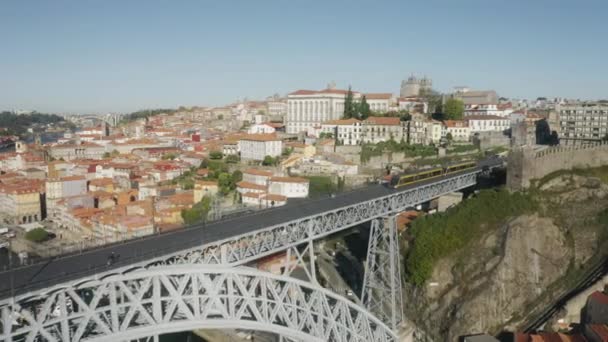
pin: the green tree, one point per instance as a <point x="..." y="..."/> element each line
<point x="37" y="235"/>
<point x="216" y="155"/>
<point x="325" y="135"/>
<point x="204" y="163"/>
<point x="233" y="159"/>
<point x="237" y="176"/>
<point x="198" y="212"/>
<point x="449" y="137"/>
<point x="287" y="151"/>
<point x="268" y="161"/>
<point x="224" y="181"/>
<point x="349" y="105"/>
<point x="220" y="117"/>
<point x="453" y="109"/>
<point x="364" y="111"/>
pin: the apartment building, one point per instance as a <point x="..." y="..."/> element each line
<point x="290" y="187"/>
<point x="487" y="123"/>
<point x="307" y="109"/>
<point x="347" y="131"/>
<point x="379" y="102"/>
<point x="258" y="146"/>
<point x="377" y="128"/>
<point x="458" y="129"/>
<point x="20" y="203"/>
<point x="583" y="122"/>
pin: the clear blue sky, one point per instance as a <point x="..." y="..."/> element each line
<point x="98" y="56"/>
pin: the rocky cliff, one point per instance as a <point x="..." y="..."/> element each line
<point x="515" y="268"/>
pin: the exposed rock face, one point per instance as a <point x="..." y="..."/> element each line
<point x="483" y="290"/>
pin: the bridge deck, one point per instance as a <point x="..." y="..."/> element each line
<point x="90" y="262"/>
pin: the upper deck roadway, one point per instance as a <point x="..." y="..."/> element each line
<point x="69" y="267"/>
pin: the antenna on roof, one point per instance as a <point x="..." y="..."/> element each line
<point x="331" y="85"/>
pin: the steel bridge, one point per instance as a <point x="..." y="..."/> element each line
<point x="178" y="281"/>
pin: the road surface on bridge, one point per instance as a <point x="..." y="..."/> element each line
<point x="79" y="265"/>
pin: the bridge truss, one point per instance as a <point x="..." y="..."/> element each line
<point x="151" y="302"/>
<point x="246" y="248"/>
<point x="177" y="292"/>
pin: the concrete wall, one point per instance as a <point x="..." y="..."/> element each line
<point x="525" y="164"/>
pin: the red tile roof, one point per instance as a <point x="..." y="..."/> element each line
<point x="383" y="120"/>
<point x="258" y="172"/>
<point x="249" y="185"/>
<point x="341" y="122"/>
<point x="599" y="297"/>
<point x="601" y="330"/>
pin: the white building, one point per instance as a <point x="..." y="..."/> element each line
<point x="262" y="200"/>
<point x="261" y="128"/>
<point x="379" y="102"/>
<point x="583" y="122"/>
<point x="379" y="128"/>
<point x="347" y="131"/>
<point x="433" y="130"/>
<point x="277" y="107"/>
<point x="488" y="109"/>
<point x="259" y="177"/>
<point x="310" y="108"/>
<point x="413" y="105"/>
<point x="487" y="123"/>
<point x="458" y="129"/>
<point x="57" y="188"/>
<point x="290" y="187"/>
<point x="258" y="146"/>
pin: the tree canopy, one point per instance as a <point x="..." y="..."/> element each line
<point x="349" y="105"/>
<point x="453" y="109"/>
<point x="16" y="124"/>
<point x="198" y="212"/>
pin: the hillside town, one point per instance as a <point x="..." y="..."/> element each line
<point x="113" y="181"/>
<point x="115" y="178"/>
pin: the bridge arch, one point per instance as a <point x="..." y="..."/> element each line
<point x="174" y="298"/>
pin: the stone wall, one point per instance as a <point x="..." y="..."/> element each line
<point x="525" y="164"/>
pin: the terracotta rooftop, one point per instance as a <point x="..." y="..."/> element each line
<point x="252" y="194"/>
<point x="249" y="185"/>
<point x="257" y="172"/>
<point x="455" y="123"/>
<point x="383" y="120"/>
<point x="101" y="181"/>
<point x="341" y="122"/>
<point x="599" y="297"/>
<point x="206" y="183"/>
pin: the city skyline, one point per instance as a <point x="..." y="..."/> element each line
<point x="115" y="57"/>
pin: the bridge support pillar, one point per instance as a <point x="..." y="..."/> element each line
<point x="382" y="291"/>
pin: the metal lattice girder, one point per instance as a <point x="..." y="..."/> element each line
<point x="381" y="293"/>
<point x="122" y="307"/>
<point x="243" y="249"/>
